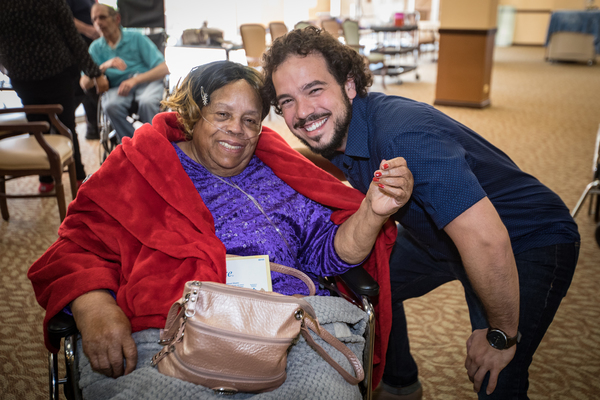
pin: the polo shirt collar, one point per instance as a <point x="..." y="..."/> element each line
<point x="118" y="41"/>
<point x="357" y="143"/>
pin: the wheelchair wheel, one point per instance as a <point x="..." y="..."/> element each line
<point x="108" y="136"/>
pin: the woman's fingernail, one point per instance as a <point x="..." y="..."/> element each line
<point x="386" y="166"/>
<point x="375" y="179"/>
<point x="378" y="174"/>
<point x="381" y="186"/>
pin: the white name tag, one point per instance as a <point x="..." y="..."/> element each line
<point x="251" y="272"/>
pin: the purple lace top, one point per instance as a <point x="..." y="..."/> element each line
<point x="245" y="231"/>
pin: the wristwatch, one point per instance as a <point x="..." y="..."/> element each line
<point x="500" y="340"/>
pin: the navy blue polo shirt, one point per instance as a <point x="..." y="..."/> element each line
<point x="453" y="168"/>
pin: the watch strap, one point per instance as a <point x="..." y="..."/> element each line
<point x="511" y="341"/>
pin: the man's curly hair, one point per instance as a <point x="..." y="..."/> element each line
<point x="343" y="62"/>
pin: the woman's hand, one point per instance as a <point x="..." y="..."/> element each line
<point x="391" y="187"/>
<point x="101" y="84"/>
<point x="105" y="333"/>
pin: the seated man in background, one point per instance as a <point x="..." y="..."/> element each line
<point x="134" y="67"/>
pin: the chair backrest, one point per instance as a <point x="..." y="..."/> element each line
<point x="277" y="29"/>
<point x="303" y="24"/>
<point x="142" y="14"/>
<point x="253" y="38"/>
<point x="351" y="33"/>
<point x="331" y="26"/>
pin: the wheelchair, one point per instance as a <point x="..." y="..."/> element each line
<point x="109" y="139"/>
<point x="592" y="190"/>
<point x="149" y="16"/>
<point x="62" y="328"/>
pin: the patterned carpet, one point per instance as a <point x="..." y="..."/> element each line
<point x="545" y="116"/>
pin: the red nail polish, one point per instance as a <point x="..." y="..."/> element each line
<point x="381" y="186"/>
<point x="375" y="179"/>
<point x="386" y="166"/>
<point x="378" y="174"/>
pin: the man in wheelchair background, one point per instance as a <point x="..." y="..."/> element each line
<point x="134" y="66"/>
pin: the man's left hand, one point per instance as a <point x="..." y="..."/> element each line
<point x="391" y="187"/>
<point x="483" y="358"/>
<point x="126" y="86"/>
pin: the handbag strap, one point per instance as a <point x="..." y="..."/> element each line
<point x="295" y="273"/>
<point x="309" y="323"/>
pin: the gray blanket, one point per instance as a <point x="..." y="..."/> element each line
<point x="308" y="375"/>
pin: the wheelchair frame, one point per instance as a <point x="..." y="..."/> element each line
<point x="593" y="191"/>
<point x="108" y="136"/>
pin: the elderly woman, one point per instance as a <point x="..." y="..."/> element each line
<point x="167" y="206"/>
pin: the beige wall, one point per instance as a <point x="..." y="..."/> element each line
<point x="533" y="17"/>
<point x="323" y="6"/>
<point x="468" y="14"/>
<point x="545" y="4"/>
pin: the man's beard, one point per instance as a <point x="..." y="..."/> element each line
<point x="340" y="130"/>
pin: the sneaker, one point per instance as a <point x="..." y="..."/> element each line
<point x="46" y="187"/>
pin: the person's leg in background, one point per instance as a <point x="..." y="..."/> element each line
<point x="148" y="97"/>
<point x="544" y="277"/>
<point x="89" y="99"/>
<point x="117" y="109"/>
<point x="413" y="273"/>
<point x="58" y="89"/>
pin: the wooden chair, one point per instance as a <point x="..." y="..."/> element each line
<point x="253" y="38"/>
<point x="277" y="29"/>
<point x="331" y="26"/>
<point x="36" y="154"/>
<point x="303" y="24"/>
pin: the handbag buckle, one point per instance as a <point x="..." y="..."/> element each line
<point x="224" y="391"/>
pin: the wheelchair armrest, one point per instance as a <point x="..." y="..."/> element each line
<point x="61" y="326"/>
<point x="360" y="282"/>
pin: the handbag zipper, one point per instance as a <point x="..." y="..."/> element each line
<point x="220" y="332"/>
<point x="254" y="294"/>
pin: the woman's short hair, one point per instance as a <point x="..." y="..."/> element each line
<point x="343" y="62"/>
<point x="205" y="80"/>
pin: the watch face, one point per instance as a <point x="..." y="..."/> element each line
<point x="497" y="339"/>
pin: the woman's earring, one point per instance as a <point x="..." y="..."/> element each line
<point x="204" y="96"/>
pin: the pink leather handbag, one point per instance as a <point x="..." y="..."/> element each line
<point x="233" y="339"/>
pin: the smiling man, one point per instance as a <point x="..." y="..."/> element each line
<point x="473" y="216"/>
<point x="134" y="66"/>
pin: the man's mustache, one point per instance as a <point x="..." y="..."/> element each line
<point x="312" y="117"/>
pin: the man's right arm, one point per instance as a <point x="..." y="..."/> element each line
<point x="101" y="83"/>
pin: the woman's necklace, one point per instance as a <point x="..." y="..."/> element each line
<point x="256" y="203"/>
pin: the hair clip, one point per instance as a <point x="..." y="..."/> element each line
<point x="204" y="96"/>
